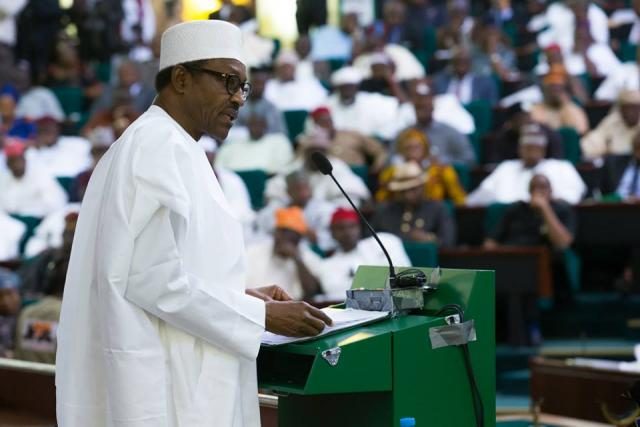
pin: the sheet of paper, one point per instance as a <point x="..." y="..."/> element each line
<point x="342" y="319"/>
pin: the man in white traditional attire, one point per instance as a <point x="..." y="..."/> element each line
<point x="157" y="329"/>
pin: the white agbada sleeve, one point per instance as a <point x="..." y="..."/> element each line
<point x="158" y="282"/>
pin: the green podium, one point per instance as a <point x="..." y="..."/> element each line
<point x="376" y="374"/>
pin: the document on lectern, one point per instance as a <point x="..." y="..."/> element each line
<point x="342" y="319"/>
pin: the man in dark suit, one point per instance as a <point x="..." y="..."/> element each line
<point x="465" y="85"/>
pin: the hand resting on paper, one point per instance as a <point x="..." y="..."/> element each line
<point x="295" y="319"/>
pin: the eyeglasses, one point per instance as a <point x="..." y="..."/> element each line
<point x="232" y="81"/>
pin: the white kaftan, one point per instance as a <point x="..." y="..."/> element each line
<point x="156" y="329"/>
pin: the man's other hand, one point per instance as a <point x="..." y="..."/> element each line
<point x="295" y="319"/>
<point x="269" y="293"/>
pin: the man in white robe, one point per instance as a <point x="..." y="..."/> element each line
<point x="156" y="328"/>
<point x="353" y="251"/>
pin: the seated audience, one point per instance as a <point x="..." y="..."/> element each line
<point x="491" y="54"/>
<point x="505" y="145"/>
<point x="10" y="124"/>
<point x="411" y="216"/>
<point x="288" y="93"/>
<point x="446" y="109"/>
<point x="35" y="273"/>
<point x="352" y="147"/>
<point x="467" y="86"/>
<point x="509" y="182"/>
<point x="382" y="79"/>
<point x="626" y="76"/>
<point x="12" y="232"/>
<point x="322" y="185"/>
<point x="37" y="325"/>
<point x="9" y="307"/>
<point x="270" y="152"/>
<point x="62" y="156"/>
<point x="128" y="84"/>
<point x="615" y="133"/>
<point x="101" y="139"/>
<point x="442" y="181"/>
<point x="557" y="110"/>
<point x="446" y="143"/>
<point x="27" y="190"/>
<point x="629" y="186"/>
<point x="541" y="221"/>
<point x="234" y="189"/>
<point x="257" y="104"/>
<point x="371" y="114"/>
<point x="285" y="258"/>
<point x="317" y="212"/>
<point x="353" y="251"/>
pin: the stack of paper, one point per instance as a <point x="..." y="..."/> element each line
<point x="342" y="319"/>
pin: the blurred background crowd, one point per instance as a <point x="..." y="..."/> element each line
<point x="470" y="133"/>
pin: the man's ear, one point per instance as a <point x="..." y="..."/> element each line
<point x="180" y="79"/>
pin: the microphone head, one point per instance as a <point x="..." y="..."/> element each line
<point x="322" y="163"/>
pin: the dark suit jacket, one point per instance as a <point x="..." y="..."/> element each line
<point x="612" y="171"/>
<point x="482" y="87"/>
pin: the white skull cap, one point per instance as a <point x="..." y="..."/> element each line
<point x="197" y="40"/>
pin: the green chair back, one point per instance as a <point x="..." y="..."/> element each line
<point x="362" y="172"/>
<point x="573" y="266"/>
<point x="464" y="175"/>
<point x="294" y="120"/>
<point x="31" y="223"/>
<point x="571" y="144"/>
<point x="628" y="52"/>
<point x="255" y="180"/>
<point x="422" y="254"/>
<point x="493" y="216"/>
<point x="67" y="184"/>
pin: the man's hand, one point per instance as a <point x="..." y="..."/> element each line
<point x="286" y="250"/>
<point x="295" y="319"/>
<point x="269" y="293"/>
<point x="539" y="201"/>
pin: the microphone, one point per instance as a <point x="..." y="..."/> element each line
<point x="326" y="168"/>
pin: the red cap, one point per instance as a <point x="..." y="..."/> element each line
<point x="553" y="47"/>
<point x="14" y="147"/>
<point x="319" y="111"/>
<point x="344" y="215"/>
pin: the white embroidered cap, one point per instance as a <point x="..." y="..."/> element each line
<point x="346" y="76"/>
<point x="197" y="40"/>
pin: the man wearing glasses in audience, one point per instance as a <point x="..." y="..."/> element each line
<point x="156" y="327"/>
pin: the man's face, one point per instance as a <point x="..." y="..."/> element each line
<point x="393" y="13"/>
<point x="258" y="82"/>
<point x="303" y="46"/>
<point x="7" y="106"/>
<point x="412" y="196"/>
<point x="346" y="233"/>
<point x="127" y="74"/>
<point x="349" y="23"/>
<point x="413" y="150"/>
<point x="210" y="105"/>
<point x="531" y="154"/>
<point x="630" y="114"/>
<point x="324" y="121"/>
<point x="300" y="193"/>
<point x="553" y="94"/>
<point x="17" y="165"/>
<point x="47" y="134"/>
<point x="257" y="127"/>
<point x="380" y="71"/>
<point x="286" y="72"/>
<point x="461" y="64"/>
<point x="347" y="93"/>
<point x="283" y="240"/>
<point x="9" y="302"/>
<point x="554" y="56"/>
<point x="540" y="185"/>
<point x="423" y="105"/>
